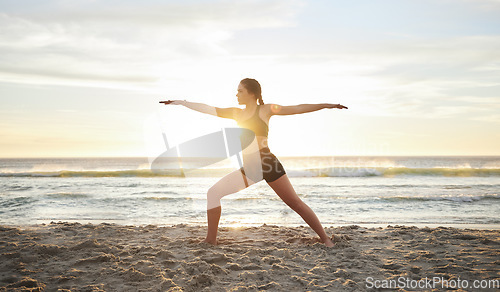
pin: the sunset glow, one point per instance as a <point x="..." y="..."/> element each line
<point x="83" y="78"/>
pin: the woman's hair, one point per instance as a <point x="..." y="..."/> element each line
<point x="253" y="86"/>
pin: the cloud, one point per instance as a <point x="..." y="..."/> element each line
<point x="145" y="43"/>
<point x="484" y="5"/>
<point x="235" y="14"/>
<point x="94" y="42"/>
<point x="423" y="77"/>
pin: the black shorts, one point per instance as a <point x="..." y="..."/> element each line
<point x="271" y="167"/>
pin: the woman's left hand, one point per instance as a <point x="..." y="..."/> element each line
<point x="339" y="106"/>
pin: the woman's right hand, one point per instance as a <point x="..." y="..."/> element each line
<point x="174" y="102"/>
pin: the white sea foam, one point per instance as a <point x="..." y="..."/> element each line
<point x="422" y="190"/>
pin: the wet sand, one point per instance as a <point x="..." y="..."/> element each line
<point x="109" y="257"/>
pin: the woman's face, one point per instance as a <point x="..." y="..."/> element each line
<point x="244" y="97"/>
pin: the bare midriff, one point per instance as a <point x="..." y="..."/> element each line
<point x="262" y="141"/>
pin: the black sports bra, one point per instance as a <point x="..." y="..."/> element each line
<point x="256" y="124"/>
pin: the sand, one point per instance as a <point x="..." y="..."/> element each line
<point x="107" y="257"/>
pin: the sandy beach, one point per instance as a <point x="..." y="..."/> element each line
<point x="107" y="257"/>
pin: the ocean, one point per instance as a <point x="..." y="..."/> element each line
<point x="372" y="191"/>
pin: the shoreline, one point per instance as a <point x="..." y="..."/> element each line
<point x="239" y="225"/>
<point x="111" y="257"/>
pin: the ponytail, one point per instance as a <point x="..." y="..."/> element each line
<point x="253" y="86"/>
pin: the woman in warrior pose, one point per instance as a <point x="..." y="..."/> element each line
<point x="258" y="161"/>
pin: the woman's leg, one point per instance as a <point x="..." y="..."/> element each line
<point x="285" y="191"/>
<point x="229" y="184"/>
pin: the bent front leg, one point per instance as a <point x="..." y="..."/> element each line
<point x="230" y="184"/>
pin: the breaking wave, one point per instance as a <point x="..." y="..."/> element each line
<point x="312" y="172"/>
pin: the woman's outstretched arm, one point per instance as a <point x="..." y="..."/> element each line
<point x="205" y="108"/>
<point x="302" y="108"/>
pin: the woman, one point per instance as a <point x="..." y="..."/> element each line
<point x="258" y="161"/>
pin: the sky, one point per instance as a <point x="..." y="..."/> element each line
<point x="83" y="78"/>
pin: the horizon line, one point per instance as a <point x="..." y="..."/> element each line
<point x="283" y="156"/>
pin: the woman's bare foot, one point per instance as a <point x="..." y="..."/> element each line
<point x="212" y="242"/>
<point x="329" y="243"/>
